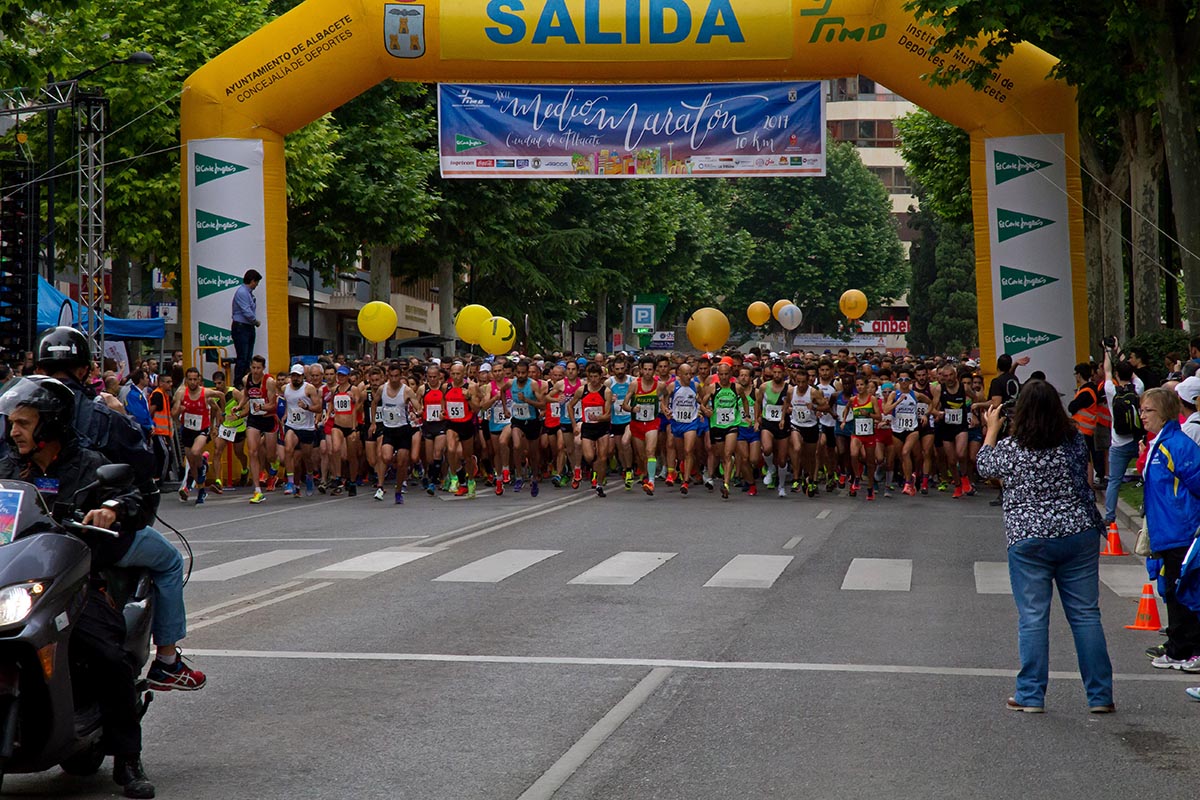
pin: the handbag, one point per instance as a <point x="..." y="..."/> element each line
<point x="1141" y="545"/>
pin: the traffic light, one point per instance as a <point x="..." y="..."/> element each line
<point x="18" y="274"/>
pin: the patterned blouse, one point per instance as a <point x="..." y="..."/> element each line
<point x="1046" y="493"/>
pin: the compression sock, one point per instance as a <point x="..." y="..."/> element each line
<point x="651" y="469"/>
<point x="435" y="471"/>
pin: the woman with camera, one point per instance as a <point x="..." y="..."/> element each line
<point x="1053" y="532"/>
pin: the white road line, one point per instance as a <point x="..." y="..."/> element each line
<point x="562" y="769"/>
<point x="991" y="577"/>
<point x="239" y="520"/>
<point x="237" y="612"/>
<point x="1170" y="676"/>
<point x="623" y="569"/>
<point x="365" y="566"/>
<point x="245" y="598"/>
<point x="244" y="566"/>
<point x="792" y="542"/>
<point x="749" y="572"/>
<point x="1125" y="580"/>
<point x="879" y="574"/>
<point x="503" y="522"/>
<point x="314" y="539"/>
<point x="497" y="567"/>
<point x="823" y="514"/>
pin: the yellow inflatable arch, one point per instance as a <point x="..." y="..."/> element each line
<point x="237" y="109"/>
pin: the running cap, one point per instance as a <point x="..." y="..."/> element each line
<point x="581" y="361"/>
<point x="343" y="370"/>
<point x="1188" y="389"/>
<point x="485" y="367"/>
<point x="437" y="361"/>
<point x="297" y="369"/>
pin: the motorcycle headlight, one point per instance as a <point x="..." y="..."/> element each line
<point x="17" y="601"/>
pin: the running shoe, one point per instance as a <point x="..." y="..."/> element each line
<point x="178" y="676"/>
<point x="461" y="491"/>
<point x="201" y="496"/>
<point x="967" y="488"/>
<point x="262" y="477"/>
<point x="272" y="482"/>
<point x="308" y="485"/>
<point x="218" y="487"/>
<point x="870" y="492"/>
<point x="909" y="489"/>
<point x="399" y="498"/>
<point x="924" y="484"/>
<point x="257" y="497"/>
<point x="576" y="478"/>
<point x="504" y="476"/>
<point x="782" y="490"/>
<point x="202" y="478"/>
<point x="813" y="491"/>
<point x="628" y="480"/>
<point x="830" y="485"/>
<point x="841" y="480"/>
<point x="352" y="489"/>
<point x="1193" y="692"/>
<point x="724" y="490"/>
<point x="379" y="493"/>
<point x="517" y="484"/>
<point x="337" y="488"/>
<point x="1166" y="662"/>
<point x="453" y="485"/>
<point x="322" y="487"/>
<point x="533" y="488"/>
<point x="854" y="488"/>
<point x="575" y="481"/>
<point x="753" y="490"/>
<point x="708" y="484"/>
<point x="599" y="491"/>
<point x="648" y="488"/>
<point x="769" y="480"/>
<point x="1157" y="650"/>
<point x="1191" y="665"/>
<point x="683" y="488"/>
<point x="289" y="488"/>
<point x="943" y="486"/>
<point x="670" y="478"/>
<point x="958" y="492"/>
<point x="499" y="488"/>
<point x="887" y="491"/>
<point x="557" y="480"/>
<point x="183" y="492"/>
<point x="471" y="488"/>
<point x="796" y="486"/>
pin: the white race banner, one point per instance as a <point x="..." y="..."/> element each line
<point x="226" y="237"/>
<point x="1030" y="241"/>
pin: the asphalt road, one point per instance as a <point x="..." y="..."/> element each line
<point x="516" y="648"/>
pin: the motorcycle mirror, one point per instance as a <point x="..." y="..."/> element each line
<point x="114" y="475"/>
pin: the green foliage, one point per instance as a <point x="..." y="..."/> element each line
<point x="938" y="157"/>
<point x="953" y="324"/>
<point x="815" y="238"/>
<point x="1158" y="344"/>
<point x="922" y="258"/>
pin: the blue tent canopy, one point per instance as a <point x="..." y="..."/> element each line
<point x="55" y="308"/>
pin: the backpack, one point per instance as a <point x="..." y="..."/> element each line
<point x="1126" y="421"/>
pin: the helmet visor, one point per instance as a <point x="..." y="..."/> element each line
<point x="22" y="391"/>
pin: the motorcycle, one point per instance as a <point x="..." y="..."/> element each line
<point x="48" y="716"/>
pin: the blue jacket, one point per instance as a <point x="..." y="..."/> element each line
<point x="138" y="408"/>
<point x="1172" y="489"/>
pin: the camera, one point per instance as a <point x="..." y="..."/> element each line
<point x="1108" y="342"/>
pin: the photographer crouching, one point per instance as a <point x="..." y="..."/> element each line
<point x="1053" y="532"/>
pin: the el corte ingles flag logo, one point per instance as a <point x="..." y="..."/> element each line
<point x="1018" y="339"/>
<point x="210" y="281"/>
<point x="211" y="169"/>
<point x="214" y="336"/>
<point x="210" y="225"/>
<point x="1011" y="224"/>
<point x="462" y="143"/>
<point x="1009" y="166"/>
<point x="1018" y="281"/>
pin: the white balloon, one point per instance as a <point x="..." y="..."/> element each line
<point x="790" y="316"/>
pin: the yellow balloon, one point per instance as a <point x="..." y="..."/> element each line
<point x="707" y="329"/>
<point x="497" y="335"/>
<point x="758" y="313"/>
<point x="469" y="321"/>
<point x="853" y="303"/>
<point x="779" y="304"/>
<point x="377" y="321"/>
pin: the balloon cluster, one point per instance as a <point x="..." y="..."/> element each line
<point x="786" y="312"/>
<point x="476" y="325"/>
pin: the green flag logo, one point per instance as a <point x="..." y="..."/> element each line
<point x="462" y="143"/>
<point x="214" y="336"/>
<point x="1018" y="281"/>
<point x="1009" y="166"/>
<point x="1018" y="339"/>
<point x="210" y="225"/>
<point x="211" y="169"/>
<point x="211" y="281"/>
<point x="1011" y="224"/>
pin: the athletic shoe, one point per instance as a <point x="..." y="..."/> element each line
<point x="648" y="488"/>
<point x="575" y="481"/>
<point x="183" y="492"/>
<point x="769" y="480"/>
<point x="262" y="477"/>
<point x="753" y="490"/>
<point x="577" y="477"/>
<point x="471" y="488"/>
<point x="499" y="488"/>
<point x="461" y="491"/>
<point x="782" y="490"/>
<point x="1166" y="662"/>
<point x="967" y="488"/>
<point x="533" y="488"/>
<point x="202" y="478"/>
<point x="200" y="496"/>
<point x="830" y="485"/>
<point x="289" y="488"/>
<point x="724" y="490"/>
<point x="628" y="480"/>
<point x="943" y="486"/>
<point x="593" y="480"/>
<point x="399" y="498"/>
<point x="958" y="492"/>
<point x="218" y="487"/>
<point x="854" y="488"/>
<point x="924" y="484"/>
<point x="813" y="491"/>
<point x="504" y="476"/>
<point x="870" y="493"/>
<point x="308" y="485"/>
<point x="1193" y="692"/>
<point x="272" y="482"/>
<point x="379" y="493"/>
<point x="557" y="480"/>
<point x="708" y="484"/>
<point x="887" y="491"/>
<point x="337" y="488"/>
<point x="670" y="478"/>
<point x="178" y="676"/>
<point x="1191" y="665"/>
<point x="517" y="484"/>
<point x="322" y="487"/>
<point x="1012" y="705"/>
<point x="352" y="489"/>
<point x="599" y="491"/>
<point x="683" y="488"/>
<point x="909" y="489"/>
<point x="257" y="497"/>
<point x="1157" y="650"/>
<point x="842" y="480"/>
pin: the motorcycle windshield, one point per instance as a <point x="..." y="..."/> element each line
<point x="22" y="511"/>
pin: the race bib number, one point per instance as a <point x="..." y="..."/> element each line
<point x="295" y="417"/>
<point x="906" y="421"/>
<point x="773" y="413"/>
<point x="726" y="417"/>
<point x="578" y="412"/>
<point x="555" y="411"/>
<point x="522" y="411"/>
<point x="342" y="404"/>
<point x="864" y="426"/>
<point x="433" y="413"/>
<point x="392" y="417"/>
<point x="922" y="409"/>
<point x="684" y="415"/>
<point x="455" y="410"/>
<point x="804" y="416"/>
<point x="954" y="416"/>
<point x="592" y="413"/>
<point x="841" y="413"/>
<point x="645" y="412"/>
<point x="227" y="433"/>
<point x="193" y="422"/>
<point x="257" y="406"/>
<point x="379" y="414"/>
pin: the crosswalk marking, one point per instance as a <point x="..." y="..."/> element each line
<point x="879" y="574"/>
<point x="497" y="567"/>
<point x="750" y="572"/>
<point x="244" y="566"/>
<point x="991" y="577"/>
<point x="1125" y="580"/>
<point x="365" y="566"/>
<point x="623" y="569"/>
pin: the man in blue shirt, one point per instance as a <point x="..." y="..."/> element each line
<point x="245" y="321"/>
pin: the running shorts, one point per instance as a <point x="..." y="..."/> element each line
<point x="884" y="436"/>
<point x="398" y="438"/>
<point x="810" y="434"/>
<point x="432" y="430"/>
<point x="975" y="434"/>
<point x="948" y="433"/>
<point x="678" y="429"/>
<point x="304" y="436"/>
<point x="640" y="429"/>
<point x="187" y="437"/>
<point x="746" y="433"/>
<point x="717" y="435"/>
<point x="594" y="431"/>
<point x="532" y="428"/>
<point x="829" y="433"/>
<point x="465" y="429"/>
<point x="777" y="429"/>
<point x="261" y="422"/>
<point x="617" y="429"/>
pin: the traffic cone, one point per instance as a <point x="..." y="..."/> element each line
<point x="1147" y="611"/>
<point x="1112" y="546"/>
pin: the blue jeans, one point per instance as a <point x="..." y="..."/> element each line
<point x="1073" y="564"/>
<point x="242" y="334"/>
<point x="153" y="552"/>
<point x="1118" y="460"/>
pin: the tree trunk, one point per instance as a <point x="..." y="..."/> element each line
<point x="602" y="321"/>
<point x="446" y="304"/>
<point x="380" y="261"/>
<point x="1103" y="242"/>
<point x="1145" y="175"/>
<point x="119" y="301"/>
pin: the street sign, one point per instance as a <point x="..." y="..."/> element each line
<point x="663" y="340"/>
<point x="644" y="315"/>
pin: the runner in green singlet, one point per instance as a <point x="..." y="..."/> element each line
<point x="724" y="407"/>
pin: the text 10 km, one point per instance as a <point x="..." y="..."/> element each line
<point x="666" y="22"/>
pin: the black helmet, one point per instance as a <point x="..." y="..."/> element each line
<point x="63" y="348"/>
<point x="51" y="398"/>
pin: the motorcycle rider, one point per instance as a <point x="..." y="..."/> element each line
<point x="45" y="451"/>
<point x="64" y="353"/>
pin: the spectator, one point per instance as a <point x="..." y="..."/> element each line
<point x="136" y="402"/>
<point x="1086" y="410"/>
<point x="1173" y="365"/>
<point x="1172" y="503"/>
<point x="1053" y="534"/>
<point x="1146" y="374"/>
<point x="176" y="372"/>
<point x="1124" y="447"/>
<point x="245" y="321"/>
<point x="1188" y="390"/>
<point x="1194" y="350"/>
<point x="162" y="427"/>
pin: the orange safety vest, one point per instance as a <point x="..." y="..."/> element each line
<point x="162" y="419"/>
<point x="1103" y="413"/>
<point x="1085" y="419"/>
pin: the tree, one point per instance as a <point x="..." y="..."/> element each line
<point x="922" y="258"/>
<point x="955" y="325"/>
<point x="938" y="157"/>
<point x="817" y="237"/>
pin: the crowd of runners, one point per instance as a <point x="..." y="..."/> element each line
<point x="793" y="423"/>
